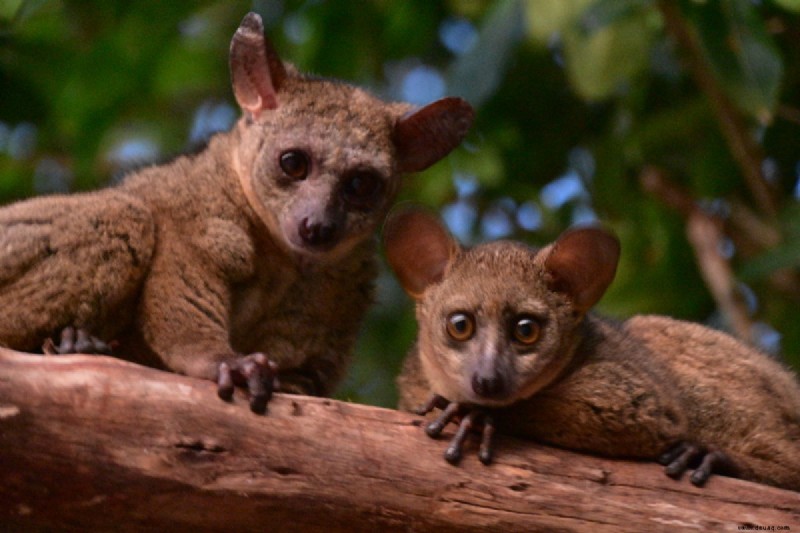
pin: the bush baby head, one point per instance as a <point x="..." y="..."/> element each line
<point x="497" y="322"/>
<point x="320" y="160"/>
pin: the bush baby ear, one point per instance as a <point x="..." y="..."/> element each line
<point x="582" y="263"/>
<point x="418" y="248"/>
<point x="256" y="70"/>
<point x="424" y="136"/>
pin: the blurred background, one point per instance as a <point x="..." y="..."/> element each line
<point x="676" y="123"/>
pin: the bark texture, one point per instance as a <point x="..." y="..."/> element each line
<point x="95" y="443"/>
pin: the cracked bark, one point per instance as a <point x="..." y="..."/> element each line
<point x="94" y="443"/>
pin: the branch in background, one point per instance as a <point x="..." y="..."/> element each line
<point x="94" y="443"/>
<point x="705" y="234"/>
<point x="753" y="236"/>
<point x="750" y="233"/>
<point x="788" y="113"/>
<point x="745" y="150"/>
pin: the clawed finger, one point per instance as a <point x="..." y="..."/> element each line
<point x="682" y="456"/>
<point x="671" y="454"/>
<point x="434" y="429"/>
<point x="224" y="382"/>
<point x="679" y="464"/>
<point x="715" y="461"/>
<point x="453" y="453"/>
<point x="486" y="451"/>
<point x="472" y="418"/>
<point x="434" y="402"/>
<point x="76" y="340"/>
<point x="255" y="372"/>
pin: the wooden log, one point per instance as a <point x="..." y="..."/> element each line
<point x="91" y="443"/>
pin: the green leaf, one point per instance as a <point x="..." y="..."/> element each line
<point x="598" y="63"/>
<point x="546" y="17"/>
<point x="8" y="9"/>
<point x="784" y="256"/>
<point x="791" y="5"/>
<point x="741" y="52"/>
<point x="604" y="13"/>
<point x="182" y="70"/>
<point x="605" y="42"/>
<point x="476" y="74"/>
<point x="485" y="163"/>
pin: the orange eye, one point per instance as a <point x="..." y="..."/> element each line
<point x="295" y="164"/>
<point x="526" y="330"/>
<point x="460" y="326"/>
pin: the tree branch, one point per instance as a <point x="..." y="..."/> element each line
<point x="705" y="234"/>
<point x="95" y="443"/>
<point x="752" y="230"/>
<point x="745" y="150"/>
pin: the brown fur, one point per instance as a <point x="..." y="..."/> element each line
<point x="193" y="263"/>
<point x="629" y="389"/>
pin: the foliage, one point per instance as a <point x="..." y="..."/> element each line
<point x="574" y="99"/>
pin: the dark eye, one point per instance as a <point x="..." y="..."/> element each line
<point x="295" y="164"/>
<point x="460" y="326"/>
<point x="526" y="330"/>
<point x="362" y="189"/>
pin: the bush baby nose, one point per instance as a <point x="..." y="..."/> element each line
<point x="488" y="386"/>
<point x="316" y="234"/>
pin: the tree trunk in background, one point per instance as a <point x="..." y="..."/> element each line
<point x="93" y="443"/>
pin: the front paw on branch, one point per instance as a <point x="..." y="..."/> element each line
<point x="77" y="340"/>
<point x="469" y="418"/>
<point x="705" y="461"/>
<point x="255" y="372"/>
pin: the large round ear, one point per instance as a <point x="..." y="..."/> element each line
<point x="418" y="248"/>
<point x="424" y="136"/>
<point x="582" y="263"/>
<point x="256" y="70"/>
